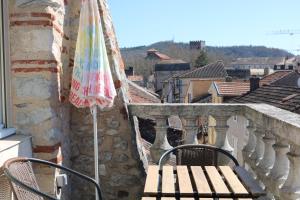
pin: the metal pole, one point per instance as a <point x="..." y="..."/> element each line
<point x="96" y="152"/>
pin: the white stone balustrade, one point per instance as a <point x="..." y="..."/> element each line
<point x="190" y="127"/>
<point x="279" y="172"/>
<point x="161" y="144"/>
<point x="272" y="150"/>
<point x="250" y="146"/>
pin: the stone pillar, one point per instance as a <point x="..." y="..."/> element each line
<point x="267" y="162"/>
<point x="291" y="188"/>
<point x="258" y="153"/>
<point x="279" y="172"/>
<point x="161" y="144"/>
<point x="39" y="46"/>
<point x="191" y="128"/>
<point x="221" y="129"/>
<point x="250" y="147"/>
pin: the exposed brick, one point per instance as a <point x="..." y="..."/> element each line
<point x="35" y="62"/>
<point x="40" y="14"/>
<point x="46" y="149"/>
<point x="33" y="14"/>
<point x="37" y="69"/>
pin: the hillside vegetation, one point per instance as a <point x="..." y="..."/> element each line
<point x="135" y="56"/>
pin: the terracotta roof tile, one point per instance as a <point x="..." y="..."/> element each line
<point x="232" y="88"/>
<point x="138" y="94"/>
<point x="135" y="78"/>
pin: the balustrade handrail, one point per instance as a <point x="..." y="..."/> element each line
<point x="272" y="151"/>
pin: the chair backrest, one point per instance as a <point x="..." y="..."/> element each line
<point x="198" y="155"/>
<point x="5" y="189"/>
<point x="20" y="170"/>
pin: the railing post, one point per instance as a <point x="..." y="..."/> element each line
<point x="291" y="188"/>
<point x="191" y="128"/>
<point x="221" y="129"/>
<point x="161" y="144"/>
<point x="250" y="147"/>
<point x="279" y="172"/>
<point x="267" y="162"/>
<point x="258" y="153"/>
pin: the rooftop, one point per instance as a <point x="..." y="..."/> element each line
<point x="258" y="61"/>
<point x="213" y="70"/>
<point x="138" y="94"/>
<point x="292" y="80"/>
<point x="287" y="98"/>
<point x="135" y="78"/>
<point x="268" y="79"/>
<point x="232" y="88"/>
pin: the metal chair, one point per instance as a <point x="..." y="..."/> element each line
<point x="23" y="181"/>
<point x="197" y="155"/>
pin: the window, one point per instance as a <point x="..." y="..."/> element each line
<point x="4" y="75"/>
<point x="291" y="67"/>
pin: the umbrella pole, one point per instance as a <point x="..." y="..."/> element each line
<point x="96" y="152"/>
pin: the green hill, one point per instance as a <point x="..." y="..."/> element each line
<point x="134" y="56"/>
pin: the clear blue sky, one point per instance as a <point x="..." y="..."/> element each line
<point x="218" y="22"/>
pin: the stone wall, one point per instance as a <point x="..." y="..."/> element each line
<point x="39" y="78"/>
<point x="121" y="173"/>
<point x="43" y="37"/>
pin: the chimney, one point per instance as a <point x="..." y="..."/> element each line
<point x="254" y="83"/>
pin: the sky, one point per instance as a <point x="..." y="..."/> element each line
<point x="218" y="22"/>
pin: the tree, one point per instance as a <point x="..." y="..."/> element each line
<point x="202" y="59"/>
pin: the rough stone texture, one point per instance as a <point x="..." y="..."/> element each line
<point x="40" y="80"/>
<point x="43" y="39"/>
<point x="121" y="174"/>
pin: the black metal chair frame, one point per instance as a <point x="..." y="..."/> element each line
<point x="46" y="196"/>
<point x="195" y="146"/>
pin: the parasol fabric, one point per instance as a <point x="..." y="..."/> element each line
<point x="92" y="82"/>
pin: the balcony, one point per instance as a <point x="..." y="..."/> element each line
<point x="266" y="139"/>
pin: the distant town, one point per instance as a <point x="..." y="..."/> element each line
<point x="195" y="73"/>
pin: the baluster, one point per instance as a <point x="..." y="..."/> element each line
<point x="191" y="128"/>
<point x="291" y="188"/>
<point x="221" y="129"/>
<point x="279" y="172"/>
<point x="258" y="153"/>
<point x="161" y="144"/>
<point x="267" y="162"/>
<point x="250" y="147"/>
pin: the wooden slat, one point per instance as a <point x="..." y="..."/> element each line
<point x="200" y="180"/>
<point x="152" y="180"/>
<point x="217" y="181"/>
<point x="206" y="199"/>
<point x="168" y="181"/>
<point x="235" y="184"/>
<point x="187" y="198"/>
<point x="185" y="185"/>
<point x="249" y="182"/>
<point x="168" y="198"/>
<point x="149" y="198"/>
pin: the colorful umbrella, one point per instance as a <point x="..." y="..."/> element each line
<point x="92" y="84"/>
